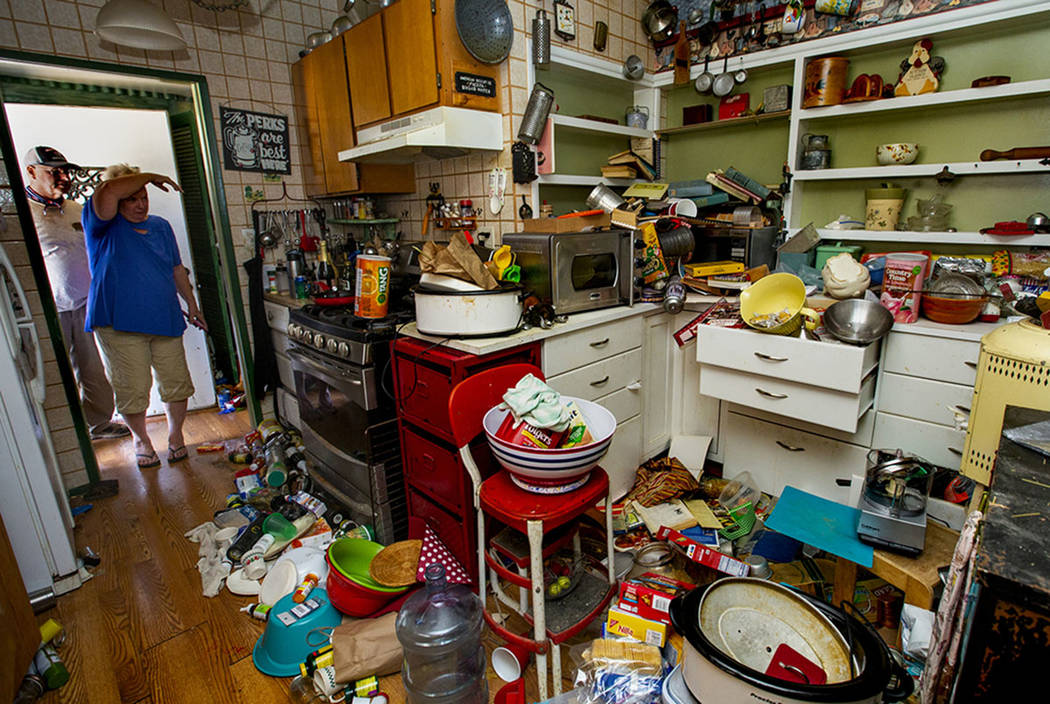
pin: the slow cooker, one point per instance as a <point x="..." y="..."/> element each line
<point x="712" y="674"/>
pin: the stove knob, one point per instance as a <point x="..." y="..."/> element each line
<point x="319" y="341"/>
<point x="305" y="336"/>
<point x="332" y="346"/>
<point x="344" y="349"/>
<point x="293" y="330"/>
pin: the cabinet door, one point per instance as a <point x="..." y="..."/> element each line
<point x="656" y="383"/>
<point x="304" y="87"/>
<point x="411" y="58"/>
<point x="624" y="456"/>
<point x="366" y="61"/>
<point x="333" y="109"/>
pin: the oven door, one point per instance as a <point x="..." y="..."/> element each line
<point x="337" y="402"/>
<point x="591" y="271"/>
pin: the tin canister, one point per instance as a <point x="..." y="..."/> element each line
<point x="372" y="289"/>
<point x="825" y="81"/>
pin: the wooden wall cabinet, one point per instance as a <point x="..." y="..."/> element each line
<point x="325" y="121"/>
<point x="406" y="58"/>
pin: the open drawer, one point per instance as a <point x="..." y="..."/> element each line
<point x="827" y="365"/>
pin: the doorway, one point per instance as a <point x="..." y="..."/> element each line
<point x="161" y="121"/>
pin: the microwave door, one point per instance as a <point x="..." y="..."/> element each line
<point x="588" y="273"/>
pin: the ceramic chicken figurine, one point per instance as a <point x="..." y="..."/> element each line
<point x="920" y="72"/>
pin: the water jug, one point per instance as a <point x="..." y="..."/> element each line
<point x="439" y="628"/>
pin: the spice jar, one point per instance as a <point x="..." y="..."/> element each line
<point x="655" y="558"/>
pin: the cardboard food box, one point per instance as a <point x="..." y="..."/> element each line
<point x="628" y="625"/>
<point x="576" y="223"/>
<point x="704" y="555"/>
<point x="701" y="269"/>
<point x="650" y="596"/>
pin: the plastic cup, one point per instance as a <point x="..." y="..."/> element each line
<point x="510" y="661"/>
<point x="279" y="527"/>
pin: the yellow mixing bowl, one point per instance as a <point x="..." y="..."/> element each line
<point x="772" y="294"/>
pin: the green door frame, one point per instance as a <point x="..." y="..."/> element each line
<point x="196" y="88"/>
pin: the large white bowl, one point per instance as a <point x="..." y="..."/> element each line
<point x="556" y="466"/>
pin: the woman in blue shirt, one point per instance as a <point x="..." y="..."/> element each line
<point x="137" y="277"/>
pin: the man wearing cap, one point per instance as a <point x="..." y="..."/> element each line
<point x="65" y="255"/>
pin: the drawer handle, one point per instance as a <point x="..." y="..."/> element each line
<point x="971" y="365"/>
<point x="770" y="394"/>
<point x="635" y="386"/>
<point x="600" y="343"/>
<point x="604" y="380"/>
<point x="844" y="482"/>
<point x="428" y="461"/>
<point x="963" y="409"/>
<point x="955" y="451"/>
<point x="770" y="358"/>
<point x="790" y="448"/>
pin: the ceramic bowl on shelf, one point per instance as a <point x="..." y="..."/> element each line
<point x="896" y="154"/>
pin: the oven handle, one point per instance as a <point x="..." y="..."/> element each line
<point x="303" y="362"/>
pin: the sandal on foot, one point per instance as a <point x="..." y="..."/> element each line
<point x="177" y="454"/>
<point x="146" y="460"/>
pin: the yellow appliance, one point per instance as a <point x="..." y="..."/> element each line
<point x="1014" y="370"/>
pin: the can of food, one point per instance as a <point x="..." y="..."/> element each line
<point x="372" y="289"/>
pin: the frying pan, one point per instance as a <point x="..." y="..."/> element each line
<point x="704" y="80"/>
<point x="485" y="28"/>
<point x="724" y="82"/>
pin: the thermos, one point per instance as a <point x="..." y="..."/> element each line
<point x="541" y="40"/>
<point x="535" y="119"/>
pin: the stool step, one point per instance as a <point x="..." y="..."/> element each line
<point x="515" y="546"/>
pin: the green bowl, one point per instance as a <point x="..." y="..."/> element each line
<point x="352" y="556"/>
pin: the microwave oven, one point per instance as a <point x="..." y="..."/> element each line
<point x="751" y="247"/>
<point x="576" y="271"/>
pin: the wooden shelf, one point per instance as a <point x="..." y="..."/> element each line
<point x="377" y="221"/>
<point x="949" y="97"/>
<point x="966" y="238"/>
<point x="719" y="124"/>
<point x="924" y="170"/>
<point x="584" y="125"/>
<point x="571" y="180"/>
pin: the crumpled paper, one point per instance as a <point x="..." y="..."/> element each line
<point x="534" y="402"/>
<point x="457" y="259"/>
<point x="212" y="565"/>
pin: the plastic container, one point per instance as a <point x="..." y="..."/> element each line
<point x="439" y="628"/>
<point x="827" y="251"/>
<point x="353" y="599"/>
<point x="901" y="285"/>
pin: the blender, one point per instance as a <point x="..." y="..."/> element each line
<point x="893" y="502"/>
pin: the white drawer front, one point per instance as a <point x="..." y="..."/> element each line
<point x="834" y="409"/>
<point x="284" y="371"/>
<point x="624" y="404"/>
<point x="289" y="407"/>
<point x="861" y="436"/>
<point x="824" y="364"/>
<point x="937" y="358"/>
<point x="276" y="315"/>
<point x="935" y="443"/>
<point x="600" y="378"/>
<point x="778" y="456"/>
<point x="575" y="349"/>
<point x="280" y="341"/>
<point x="923" y="399"/>
<point x="624" y="456"/>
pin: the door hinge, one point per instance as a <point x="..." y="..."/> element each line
<point x="433" y="7"/>
<point x="439" y="80"/>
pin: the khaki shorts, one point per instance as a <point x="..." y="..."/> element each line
<point x="129" y="356"/>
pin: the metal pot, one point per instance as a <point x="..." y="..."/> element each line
<point x="659" y="20"/>
<point x="724" y="82"/>
<point x="468" y="313"/>
<point x="604" y="198"/>
<point x="705" y="79"/>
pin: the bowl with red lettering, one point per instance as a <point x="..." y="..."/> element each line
<point x="555" y="466"/>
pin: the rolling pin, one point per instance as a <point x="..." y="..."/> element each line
<point x="1016" y="153"/>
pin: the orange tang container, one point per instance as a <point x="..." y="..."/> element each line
<point x="372" y="289"/>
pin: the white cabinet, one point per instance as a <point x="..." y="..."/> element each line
<point x="576" y="349"/>
<point x="277" y="319"/>
<point x="657" y="378"/>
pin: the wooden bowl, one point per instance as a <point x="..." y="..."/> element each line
<point x="955" y="310"/>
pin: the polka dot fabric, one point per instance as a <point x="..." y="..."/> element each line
<point x="435" y="551"/>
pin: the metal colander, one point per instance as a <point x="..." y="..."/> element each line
<point x="486" y="29"/>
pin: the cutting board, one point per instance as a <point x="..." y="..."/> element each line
<point x="821" y="523"/>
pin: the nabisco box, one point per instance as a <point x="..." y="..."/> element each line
<point x="650" y="595"/>
<point x="703" y="554"/>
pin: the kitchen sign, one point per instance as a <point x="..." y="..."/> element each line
<point x="473" y="84"/>
<point x="255" y="141"/>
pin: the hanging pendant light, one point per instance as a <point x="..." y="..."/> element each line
<point x="139" y="24"/>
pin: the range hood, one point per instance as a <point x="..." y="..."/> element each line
<point x="440" y="133"/>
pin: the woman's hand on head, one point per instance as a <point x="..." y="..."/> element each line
<point x="162" y="182"/>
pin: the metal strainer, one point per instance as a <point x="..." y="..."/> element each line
<point x="486" y="29"/>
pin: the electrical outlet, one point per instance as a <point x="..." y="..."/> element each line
<point x="248" y="235"/>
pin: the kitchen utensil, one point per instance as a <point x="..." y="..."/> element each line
<point x="681" y="57"/>
<point x="601" y="35"/>
<point x="897" y="153"/>
<point x="857" y="321"/>
<point x="534" y="121"/>
<point x="340" y="24"/>
<point x="351" y="557"/>
<point x="485" y="28"/>
<point x="395" y="565"/>
<point x="708" y="30"/>
<point x="633" y="67"/>
<point x="986" y="81"/>
<point x="825" y="81"/>
<point x="637" y="116"/>
<point x="658" y="21"/>
<point x="604" y="198"/>
<point x="353" y="599"/>
<point x="723" y="82"/>
<point x="524" y="210"/>
<point x="953" y="284"/>
<point x="892" y="503"/>
<point x="773" y="294"/>
<point x="741" y="73"/>
<point x="704" y="80"/>
<point x="285" y="644"/>
<point x="468" y="313"/>
<point x="316" y="39"/>
<point x="541" y="39"/>
<point x="952" y="309"/>
<point x="1038" y="222"/>
<point x="1016" y="153"/>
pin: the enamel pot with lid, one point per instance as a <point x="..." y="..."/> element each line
<point x="468" y="313"/>
<point x="738" y="629"/>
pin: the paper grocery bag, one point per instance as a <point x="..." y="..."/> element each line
<point x="365" y="647"/>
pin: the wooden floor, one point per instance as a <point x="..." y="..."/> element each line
<point x="140" y="631"/>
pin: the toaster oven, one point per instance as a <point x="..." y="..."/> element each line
<point x="576" y="271"/>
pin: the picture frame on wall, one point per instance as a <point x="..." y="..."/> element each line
<point x="564" y="20"/>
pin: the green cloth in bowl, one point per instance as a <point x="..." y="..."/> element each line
<point x="352" y="556"/>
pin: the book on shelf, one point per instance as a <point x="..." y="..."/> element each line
<point x="713" y="199"/>
<point x="734" y="189"/>
<point x="747" y="182"/>
<point x="619" y="171"/>
<point x="629" y="158"/>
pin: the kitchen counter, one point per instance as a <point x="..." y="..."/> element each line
<point x="576" y="321"/>
<point x="285" y="300"/>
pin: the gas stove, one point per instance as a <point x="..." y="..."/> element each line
<point x="336" y="331"/>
